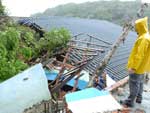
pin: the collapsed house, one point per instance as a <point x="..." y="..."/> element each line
<point x="90" y="43"/>
<point x="100" y="30"/>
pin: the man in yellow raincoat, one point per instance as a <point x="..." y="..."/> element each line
<point x="138" y="62"/>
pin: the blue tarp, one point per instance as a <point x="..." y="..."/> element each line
<point x="85" y="94"/>
<point x="82" y="82"/>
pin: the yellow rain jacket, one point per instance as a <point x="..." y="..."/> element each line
<point x="139" y="58"/>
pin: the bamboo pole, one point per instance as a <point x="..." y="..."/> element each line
<point x="126" y="28"/>
<point x="99" y="39"/>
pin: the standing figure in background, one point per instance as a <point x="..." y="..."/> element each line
<point x="138" y="62"/>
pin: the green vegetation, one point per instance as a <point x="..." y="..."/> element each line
<point x="20" y="46"/>
<point x="1" y="8"/>
<point x="114" y="11"/>
<point x="54" y="41"/>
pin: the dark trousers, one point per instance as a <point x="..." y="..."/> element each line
<point x="135" y="86"/>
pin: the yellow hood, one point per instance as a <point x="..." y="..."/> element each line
<point x="141" y="26"/>
<point x="139" y="58"/>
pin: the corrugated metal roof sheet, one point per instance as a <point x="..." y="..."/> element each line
<point x="99" y="28"/>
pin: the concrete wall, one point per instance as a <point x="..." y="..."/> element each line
<point x="39" y="108"/>
<point x="24" y="90"/>
<point x="47" y="107"/>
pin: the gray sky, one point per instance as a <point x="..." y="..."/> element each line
<point x="28" y="7"/>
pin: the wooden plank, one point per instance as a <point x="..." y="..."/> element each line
<point x="89" y="43"/>
<point x="88" y="49"/>
<point x="117" y="84"/>
<point x="99" y="39"/>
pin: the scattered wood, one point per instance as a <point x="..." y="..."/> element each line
<point x="63" y="65"/>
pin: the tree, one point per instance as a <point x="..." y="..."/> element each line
<point x="53" y="41"/>
<point x="19" y="45"/>
<point x="1" y="8"/>
<point x="114" y="11"/>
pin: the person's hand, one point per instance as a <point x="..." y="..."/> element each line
<point x="131" y="71"/>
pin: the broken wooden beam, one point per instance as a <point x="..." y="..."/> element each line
<point x="99" y="39"/>
<point x="84" y="54"/>
<point x="67" y="76"/>
<point x="78" y="35"/>
<point x="117" y="84"/>
<point x="88" y="49"/>
<point x="63" y="66"/>
<point x="89" y="43"/>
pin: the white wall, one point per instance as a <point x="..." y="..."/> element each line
<point x="24" y="90"/>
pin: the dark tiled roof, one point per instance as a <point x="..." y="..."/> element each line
<point x="101" y="29"/>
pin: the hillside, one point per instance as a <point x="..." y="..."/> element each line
<point x="114" y="11"/>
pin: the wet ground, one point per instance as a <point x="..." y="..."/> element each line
<point x="145" y="106"/>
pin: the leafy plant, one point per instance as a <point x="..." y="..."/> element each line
<point x="18" y="45"/>
<point x="26" y="53"/>
<point x="54" y="40"/>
